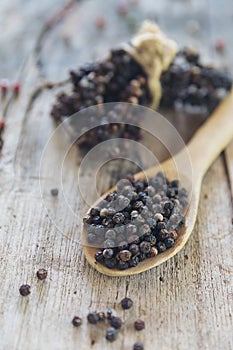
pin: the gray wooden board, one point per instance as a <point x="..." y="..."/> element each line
<point x="187" y="302"/>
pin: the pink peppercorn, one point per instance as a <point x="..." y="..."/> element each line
<point x="4" y="87"/>
<point x="122" y="9"/>
<point x="100" y="22"/>
<point x="219" y="45"/>
<point x="16" y="88"/>
<point x="2" y="124"/>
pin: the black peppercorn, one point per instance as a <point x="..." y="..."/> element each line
<point x="103" y="212"/>
<point x="131" y="229"/>
<point x="111" y="212"/>
<point x="109" y="243"/>
<point x="77" y="321"/>
<point x="157" y="198"/>
<point x="25" y="290"/>
<point x="102" y="316"/>
<point x="123" y="265"/>
<point x="110" y="263"/>
<point x="116" y="322"/>
<point x="145" y="247"/>
<point x="123" y="202"/>
<point x="153" y="252"/>
<point x="94" y="211"/>
<point x="108" y="253"/>
<point x="110" y="234"/>
<point x="173" y="234"/>
<point x="144" y="229"/>
<point x="168" y="205"/>
<point x="142" y="256"/>
<point x="134" y="215"/>
<point x="134" y="249"/>
<point x="123" y="245"/>
<point x="138" y="346"/>
<point x="91" y="238"/>
<point x="139" y="325"/>
<point x="138" y="205"/>
<point x="161" y="225"/>
<point x="118" y="218"/>
<point x="99" y="256"/>
<point x="175" y="183"/>
<point x="151" y="239"/>
<point x="110" y="313"/>
<point x="54" y="192"/>
<point x="158" y="217"/>
<point x="134" y="261"/>
<point x="42" y="274"/>
<point x="125" y="255"/>
<point x="111" y="334"/>
<point x="126" y="303"/>
<point x="134" y="239"/>
<point x="169" y="242"/>
<point x="161" y="247"/>
<point x="93" y="317"/>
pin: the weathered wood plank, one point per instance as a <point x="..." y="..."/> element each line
<point x="186" y="303"/>
<point x="196" y="284"/>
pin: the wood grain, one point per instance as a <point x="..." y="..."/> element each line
<point x="187" y="302"/>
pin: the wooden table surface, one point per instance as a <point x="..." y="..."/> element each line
<point x="187" y="302"/>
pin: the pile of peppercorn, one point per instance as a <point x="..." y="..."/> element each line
<point x="137" y="221"/>
<point x="187" y="84"/>
<point x="192" y="86"/>
<point x="118" y="78"/>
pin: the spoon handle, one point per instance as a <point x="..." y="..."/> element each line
<point x="213" y="137"/>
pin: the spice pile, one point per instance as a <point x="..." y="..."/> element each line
<point x="186" y="84"/>
<point x="119" y="78"/>
<point x="115" y="322"/>
<point x="191" y="86"/>
<point x="137" y="221"/>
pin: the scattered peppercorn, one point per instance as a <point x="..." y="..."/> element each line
<point x="42" y="274"/>
<point x="111" y="334"/>
<point x="93" y="317"/>
<point x="138" y="346"/>
<point x="25" y="290"/>
<point x="126" y="303"/>
<point x="116" y="322"/>
<point x="54" y="192"/>
<point x="77" y="321"/>
<point x="139" y="325"/>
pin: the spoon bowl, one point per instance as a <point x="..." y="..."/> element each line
<point x="208" y="142"/>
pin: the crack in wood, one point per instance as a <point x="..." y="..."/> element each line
<point x="56" y="19"/>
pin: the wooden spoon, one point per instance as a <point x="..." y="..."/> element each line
<point x="208" y="142"/>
